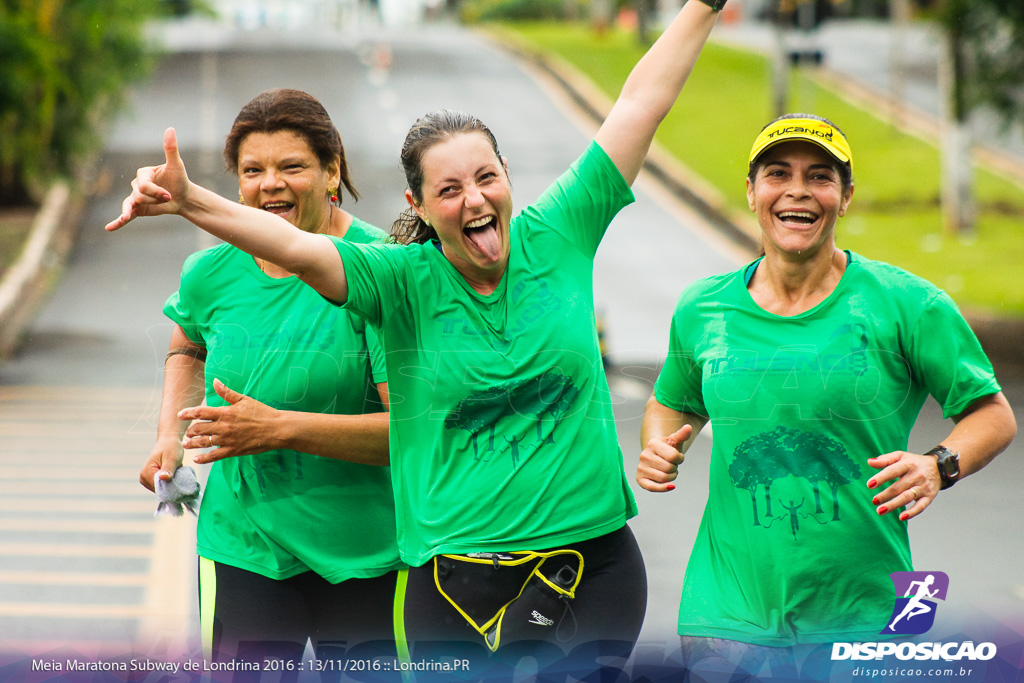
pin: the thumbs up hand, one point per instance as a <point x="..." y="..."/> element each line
<point x="660" y="460"/>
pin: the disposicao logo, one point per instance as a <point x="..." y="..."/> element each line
<point x="914" y="614"/>
<point x="916" y="593"/>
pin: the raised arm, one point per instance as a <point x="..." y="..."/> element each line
<point x="653" y="86"/>
<point x="166" y="189"/>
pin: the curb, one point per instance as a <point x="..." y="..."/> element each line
<point x="25" y="285"/>
<point x="1001" y="338"/>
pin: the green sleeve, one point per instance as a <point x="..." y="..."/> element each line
<point x="948" y="359"/>
<point x="374" y="278"/>
<point x="376" y="350"/>
<point x="179" y="306"/>
<point x="582" y="202"/>
<point x="679" y="383"/>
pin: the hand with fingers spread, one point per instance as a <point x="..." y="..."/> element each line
<point x="660" y="461"/>
<point x="156" y="190"/>
<point x="915" y="482"/>
<point x="237" y="429"/>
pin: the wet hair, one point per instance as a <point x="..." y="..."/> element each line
<point x="295" y="111"/>
<point x="843" y="168"/>
<point x="429" y="130"/>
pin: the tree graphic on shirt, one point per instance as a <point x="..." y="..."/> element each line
<point x="479" y="411"/>
<point x="765" y="458"/>
<point x="550" y="394"/>
<point x="750" y="469"/>
<point x="841" y="470"/>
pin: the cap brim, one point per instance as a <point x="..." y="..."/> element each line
<point x="815" y="131"/>
<point x="832" y="151"/>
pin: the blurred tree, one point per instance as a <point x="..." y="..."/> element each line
<point x="982" y="65"/>
<point x="646" y="11"/>
<point x="64" y="65"/>
<point x="796" y="23"/>
<point x="865" y="8"/>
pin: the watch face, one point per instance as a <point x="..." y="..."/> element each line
<point x="950" y="465"/>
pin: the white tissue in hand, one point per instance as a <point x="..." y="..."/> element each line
<point x="182" y="490"/>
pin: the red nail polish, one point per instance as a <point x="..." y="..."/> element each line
<point x="671" y="487"/>
<point x="874" y="501"/>
<point x="882" y="510"/>
<point x="872" y="484"/>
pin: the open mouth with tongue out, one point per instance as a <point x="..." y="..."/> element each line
<point x="483" y="233"/>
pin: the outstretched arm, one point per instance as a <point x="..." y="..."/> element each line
<point x="246" y="427"/>
<point x="166" y="189"/>
<point x="666" y="435"/>
<point x="652" y="88"/>
<point x="982" y="432"/>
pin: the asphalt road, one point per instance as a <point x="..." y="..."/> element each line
<point x="82" y="563"/>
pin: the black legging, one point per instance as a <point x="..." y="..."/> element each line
<point x="603" y="621"/>
<point x="255" y="618"/>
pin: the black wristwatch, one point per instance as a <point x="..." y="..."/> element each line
<point x="714" y="4"/>
<point x="948" y="463"/>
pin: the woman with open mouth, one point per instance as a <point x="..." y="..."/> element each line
<point x="813" y="364"/>
<point x="291" y="546"/>
<point x="512" y="503"/>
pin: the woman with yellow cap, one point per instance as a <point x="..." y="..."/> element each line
<point x="812" y="363"/>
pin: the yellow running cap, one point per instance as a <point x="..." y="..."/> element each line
<point x="826" y="136"/>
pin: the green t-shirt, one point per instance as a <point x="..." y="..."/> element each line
<point x="282" y="513"/>
<point x="502" y="434"/>
<point x="790" y="548"/>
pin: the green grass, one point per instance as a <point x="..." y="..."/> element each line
<point x="15" y="225"/>
<point x="894" y="215"/>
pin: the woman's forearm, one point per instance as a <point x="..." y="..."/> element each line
<point x="313" y="258"/>
<point x="354" y="438"/>
<point x="246" y="426"/>
<point x="166" y="189"/>
<point x="660" y="421"/>
<point x="184" y="371"/>
<point x="652" y="88"/>
<point x="982" y="432"/>
<point x="658" y="78"/>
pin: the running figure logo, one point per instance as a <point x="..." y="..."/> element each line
<point x="916" y="593"/>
